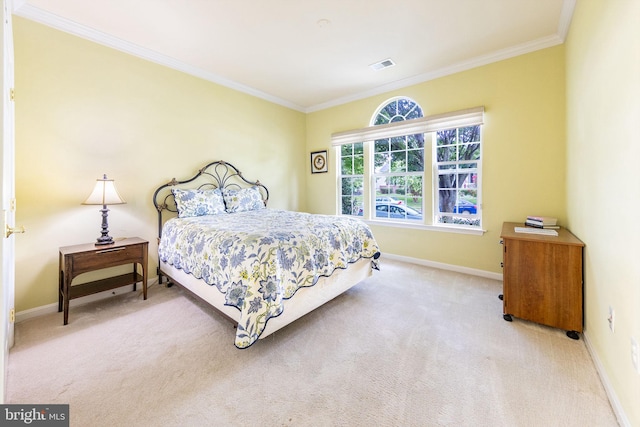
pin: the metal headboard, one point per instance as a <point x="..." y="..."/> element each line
<point x="218" y="174"/>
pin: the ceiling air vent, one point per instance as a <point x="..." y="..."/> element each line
<point x="382" y="64"/>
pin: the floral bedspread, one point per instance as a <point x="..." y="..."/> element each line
<point x="259" y="258"/>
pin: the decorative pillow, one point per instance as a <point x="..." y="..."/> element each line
<point x="247" y="199"/>
<point x="198" y="202"/>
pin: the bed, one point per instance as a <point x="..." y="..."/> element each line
<point x="262" y="268"/>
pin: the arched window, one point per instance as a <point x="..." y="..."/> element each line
<point x="397" y="110"/>
<point x="398" y="165"/>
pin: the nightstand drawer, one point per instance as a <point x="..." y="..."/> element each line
<point x="106" y="257"/>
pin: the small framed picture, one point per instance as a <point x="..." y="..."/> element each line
<point x="319" y="163"/>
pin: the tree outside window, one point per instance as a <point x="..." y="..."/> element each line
<point x="457" y="155"/>
<point x="352" y="179"/>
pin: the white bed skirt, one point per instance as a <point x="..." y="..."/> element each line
<point x="305" y="300"/>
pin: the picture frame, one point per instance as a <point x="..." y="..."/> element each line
<point x="319" y="162"/>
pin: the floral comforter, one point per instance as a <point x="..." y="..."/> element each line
<point x="260" y="258"/>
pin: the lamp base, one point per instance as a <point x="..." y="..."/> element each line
<point x="104" y="240"/>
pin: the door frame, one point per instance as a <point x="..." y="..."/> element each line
<point x="7" y="196"/>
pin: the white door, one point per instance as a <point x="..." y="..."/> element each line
<point x="7" y="198"/>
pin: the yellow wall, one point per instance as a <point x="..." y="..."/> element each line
<point x="523" y="152"/>
<point x="83" y="110"/>
<point x="603" y="104"/>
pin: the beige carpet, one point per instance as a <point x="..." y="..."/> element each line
<point x="412" y="346"/>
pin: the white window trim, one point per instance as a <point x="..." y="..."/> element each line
<point x="429" y="124"/>
<point x="446" y="228"/>
<point x="435" y="178"/>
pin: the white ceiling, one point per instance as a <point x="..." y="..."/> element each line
<point x="312" y="54"/>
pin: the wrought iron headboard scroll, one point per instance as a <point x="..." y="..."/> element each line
<point x="218" y="174"/>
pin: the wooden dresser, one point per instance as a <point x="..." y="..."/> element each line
<point x="543" y="278"/>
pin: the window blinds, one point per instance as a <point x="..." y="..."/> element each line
<point x="455" y="119"/>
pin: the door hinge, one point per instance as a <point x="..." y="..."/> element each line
<point x="12" y="315"/>
<point x="12" y="94"/>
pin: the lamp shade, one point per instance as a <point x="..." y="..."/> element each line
<point x="104" y="193"/>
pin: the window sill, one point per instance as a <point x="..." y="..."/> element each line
<point x="441" y="228"/>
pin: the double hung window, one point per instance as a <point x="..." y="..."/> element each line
<point x="457" y="175"/>
<point x="352" y="178"/>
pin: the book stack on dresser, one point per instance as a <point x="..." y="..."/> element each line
<point x="542" y="222"/>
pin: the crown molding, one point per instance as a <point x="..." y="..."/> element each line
<point x="479" y="61"/>
<point x="25" y="10"/>
<point x="564" y="22"/>
<point x="568" y="6"/>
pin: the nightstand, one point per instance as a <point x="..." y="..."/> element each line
<point x="78" y="259"/>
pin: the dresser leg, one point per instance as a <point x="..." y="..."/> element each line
<point x="507" y="317"/>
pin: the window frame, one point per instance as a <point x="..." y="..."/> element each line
<point x="458" y="162"/>
<point x="397" y="110"/>
<point x="427" y="125"/>
<point x="351" y="176"/>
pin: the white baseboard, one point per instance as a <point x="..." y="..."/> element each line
<point x="53" y="308"/>
<point x="443" y="266"/>
<point x="604" y="378"/>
